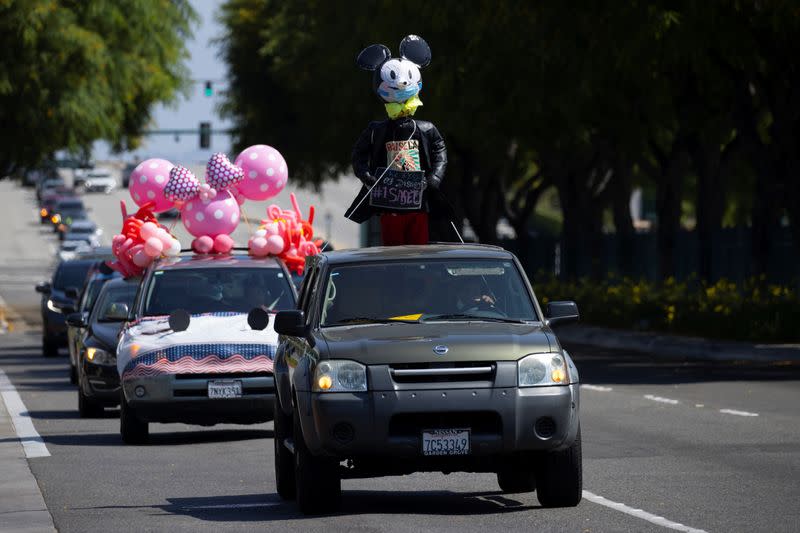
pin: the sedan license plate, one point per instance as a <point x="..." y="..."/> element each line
<point x="445" y="442"/>
<point x="224" y="389"/>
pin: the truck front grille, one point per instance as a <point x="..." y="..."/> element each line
<point x="442" y="372"/>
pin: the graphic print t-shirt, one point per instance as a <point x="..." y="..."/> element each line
<point x="407" y="155"/>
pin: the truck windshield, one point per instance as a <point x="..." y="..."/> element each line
<point x="211" y="290"/>
<point x="427" y="290"/>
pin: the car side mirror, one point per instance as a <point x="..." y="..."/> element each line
<point x="561" y="312"/>
<point x="291" y="323"/>
<point x="73" y="293"/>
<point x="118" y="312"/>
<point x="77" y="320"/>
<point x="44" y="287"/>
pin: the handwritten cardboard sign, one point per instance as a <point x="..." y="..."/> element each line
<point x="398" y="190"/>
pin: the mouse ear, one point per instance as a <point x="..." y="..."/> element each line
<point x="415" y="49"/>
<point x="373" y="56"/>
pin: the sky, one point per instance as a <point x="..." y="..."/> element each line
<point x="187" y="113"/>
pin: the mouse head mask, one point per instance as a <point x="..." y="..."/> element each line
<point x="396" y="81"/>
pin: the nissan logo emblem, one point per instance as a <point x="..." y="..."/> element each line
<point x="440" y="349"/>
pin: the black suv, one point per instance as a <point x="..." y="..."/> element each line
<point x="60" y="298"/>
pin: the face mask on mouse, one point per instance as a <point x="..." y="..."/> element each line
<point x="397" y="81"/>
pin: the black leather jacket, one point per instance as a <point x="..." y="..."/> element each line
<point x="369" y="153"/>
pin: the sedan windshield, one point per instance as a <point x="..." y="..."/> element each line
<point x="71" y="274"/>
<point x="429" y="290"/>
<point x="210" y="290"/>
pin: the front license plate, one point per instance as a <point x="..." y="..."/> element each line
<point x="445" y="442"/>
<point x="224" y="389"/>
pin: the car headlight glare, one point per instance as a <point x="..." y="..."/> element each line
<point x="542" y="369"/>
<point x="51" y="305"/>
<point x="340" y="376"/>
<point x="100" y="357"/>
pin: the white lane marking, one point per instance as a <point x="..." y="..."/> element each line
<point x="661" y="399"/>
<point x="699" y="405"/>
<point x="231" y="506"/>
<point x="32" y="442"/>
<point x="738" y="413"/>
<point x="638" y="513"/>
<point x="595" y="387"/>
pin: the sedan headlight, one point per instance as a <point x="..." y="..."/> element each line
<point x="340" y="376"/>
<point x="541" y="369"/>
<point x="51" y="305"/>
<point x="100" y="357"/>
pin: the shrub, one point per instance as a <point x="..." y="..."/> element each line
<point x="752" y="311"/>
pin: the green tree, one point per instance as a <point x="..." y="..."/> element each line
<point x="73" y="72"/>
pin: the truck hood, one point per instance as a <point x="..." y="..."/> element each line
<point x="373" y="344"/>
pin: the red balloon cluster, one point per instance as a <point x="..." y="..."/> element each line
<point x="286" y="235"/>
<point x="142" y="240"/>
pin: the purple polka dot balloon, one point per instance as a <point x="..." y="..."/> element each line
<point x="265" y="172"/>
<point x="221" y="173"/>
<point x="182" y="184"/>
<point x="147" y="182"/>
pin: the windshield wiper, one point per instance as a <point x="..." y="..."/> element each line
<point x="463" y="316"/>
<point x="370" y="319"/>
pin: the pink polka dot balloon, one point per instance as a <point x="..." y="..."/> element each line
<point x="265" y="172"/>
<point x="147" y="182"/>
<point x="218" y="216"/>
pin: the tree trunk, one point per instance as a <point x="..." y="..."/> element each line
<point x="621" y="189"/>
<point x="709" y="201"/>
<point x="669" y="192"/>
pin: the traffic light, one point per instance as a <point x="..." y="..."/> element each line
<point x="205" y="135"/>
<point x="209" y="89"/>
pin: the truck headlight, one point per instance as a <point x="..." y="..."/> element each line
<point x="541" y="369"/>
<point x="340" y="376"/>
<point x="100" y="357"/>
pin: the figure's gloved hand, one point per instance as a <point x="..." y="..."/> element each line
<point x="369" y="180"/>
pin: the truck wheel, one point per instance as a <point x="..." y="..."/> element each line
<point x="133" y="430"/>
<point x="49" y="347"/>
<point x="318" y="485"/>
<point x="284" y="462"/>
<point x="559" y="478"/>
<point x="87" y="407"/>
<point x="514" y="481"/>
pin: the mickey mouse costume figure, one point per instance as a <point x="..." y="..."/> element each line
<point x="410" y="149"/>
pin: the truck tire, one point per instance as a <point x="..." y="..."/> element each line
<point x="318" y="485"/>
<point x="49" y="347"/>
<point x="87" y="407"/>
<point x="559" y="477"/>
<point x="133" y="430"/>
<point x="284" y="462"/>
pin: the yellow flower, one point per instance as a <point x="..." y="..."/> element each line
<point x="711" y="291"/>
<point x="718" y="308"/>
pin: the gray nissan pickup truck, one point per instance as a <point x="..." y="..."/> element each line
<point x="424" y="358"/>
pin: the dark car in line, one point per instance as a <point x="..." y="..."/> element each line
<point x="60" y="298"/>
<point x="47" y="185"/>
<point x="66" y="211"/>
<point x="98" y="380"/>
<point x="97" y="276"/>
<point x="424" y="358"/>
<point x="49" y="201"/>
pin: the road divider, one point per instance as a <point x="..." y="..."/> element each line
<point x="737" y="413"/>
<point x="32" y="442"/>
<point x="661" y="399"/>
<point x="638" y="513"/>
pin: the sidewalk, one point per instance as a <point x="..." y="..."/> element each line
<point x="660" y="344"/>
<point x="22" y="507"/>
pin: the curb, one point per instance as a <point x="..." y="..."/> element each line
<point x="22" y="506"/>
<point x="662" y="345"/>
